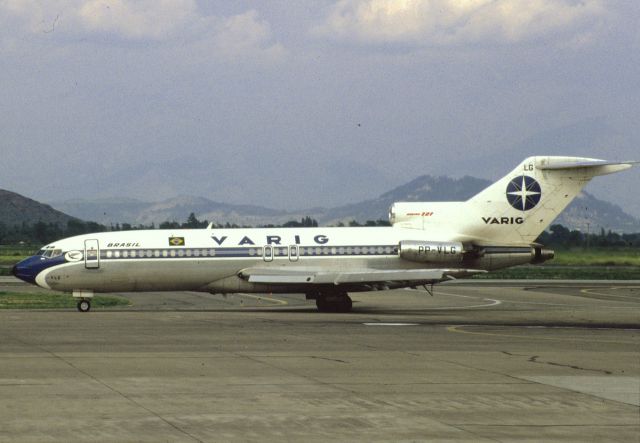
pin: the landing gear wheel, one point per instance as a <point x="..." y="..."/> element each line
<point x="334" y="303"/>
<point x="322" y="305"/>
<point x="84" y="305"/>
<point x="346" y="304"/>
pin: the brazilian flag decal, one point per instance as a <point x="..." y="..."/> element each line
<point x="176" y="241"/>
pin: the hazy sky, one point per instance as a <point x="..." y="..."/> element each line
<point x="298" y="104"/>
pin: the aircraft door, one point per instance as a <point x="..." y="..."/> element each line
<point x="91" y="254"/>
<point x="268" y="253"/>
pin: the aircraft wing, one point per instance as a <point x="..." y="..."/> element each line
<point x="319" y="276"/>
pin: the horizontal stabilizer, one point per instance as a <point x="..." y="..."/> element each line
<point x="593" y="167"/>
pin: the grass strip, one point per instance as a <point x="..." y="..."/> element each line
<point x="602" y="257"/>
<point x="565" y="273"/>
<point x="37" y="300"/>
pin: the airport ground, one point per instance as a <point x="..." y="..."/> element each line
<point x="478" y="361"/>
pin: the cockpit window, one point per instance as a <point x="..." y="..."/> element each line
<point x="49" y="252"/>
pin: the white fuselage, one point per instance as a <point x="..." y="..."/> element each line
<point x="191" y="259"/>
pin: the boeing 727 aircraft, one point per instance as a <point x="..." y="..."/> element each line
<point x="426" y="244"/>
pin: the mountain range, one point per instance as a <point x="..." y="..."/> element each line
<point x="586" y="212"/>
<point x="16" y="210"/>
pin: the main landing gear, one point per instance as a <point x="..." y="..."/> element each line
<point x="84" y="305"/>
<point x="334" y="303"/>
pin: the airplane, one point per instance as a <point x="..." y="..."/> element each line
<point x="427" y="243"/>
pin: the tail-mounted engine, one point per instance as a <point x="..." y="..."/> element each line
<point x="498" y="257"/>
<point x="431" y="251"/>
<point x="469" y="256"/>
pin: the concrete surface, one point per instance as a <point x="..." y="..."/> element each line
<point x="536" y="362"/>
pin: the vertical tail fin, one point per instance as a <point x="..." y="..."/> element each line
<point x="518" y="207"/>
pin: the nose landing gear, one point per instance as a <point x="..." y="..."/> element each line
<point x="84" y="305"/>
<point x="84" y="299"/>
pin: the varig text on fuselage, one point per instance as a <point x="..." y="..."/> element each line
<point x="270" y="240"/>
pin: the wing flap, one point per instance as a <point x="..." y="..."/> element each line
<point x="320" y="276"/>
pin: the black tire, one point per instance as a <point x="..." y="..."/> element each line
<point x="323" y="305"/>
<point x="84" y="306"/>
<point x="346" y="304"/>
<point x="340" y="303"/>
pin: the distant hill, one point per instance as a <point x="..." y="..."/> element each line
<point x="112" y="211"/>
<point x="590" y="214"/>
<point x="16" y="209"/>
<point x="585" y="213"/>
<point x="424" y="188"/>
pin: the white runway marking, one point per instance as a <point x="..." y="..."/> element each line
<point x="494" y="302"/>
<point x="621" y="389"/>
<point x="614" y="288"/>
<point x="391" y="324"/>
<point x="259" y="298"/>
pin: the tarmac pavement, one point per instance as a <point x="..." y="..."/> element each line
<point x="534" y="361"/>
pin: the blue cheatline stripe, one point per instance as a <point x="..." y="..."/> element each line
<point x="249" y="252"/>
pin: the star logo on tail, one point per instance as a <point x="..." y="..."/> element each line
<point x="523" y="193"/>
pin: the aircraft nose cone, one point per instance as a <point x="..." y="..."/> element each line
<point x="25" y="270"/>
<point x="29" y="268"/>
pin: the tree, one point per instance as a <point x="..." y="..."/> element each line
<point x="194" y="223"/>
<point x="169" y="225"/>
<point x="309" y="222"/>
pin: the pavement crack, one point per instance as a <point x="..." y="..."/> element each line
<point x="125" y="396"/>
<point x="106" y="385"/>
<point x="511" y="354"/>
<point x="534" y="359"/>
<point x="294" y="373"/>
<point x="328" y="359"/>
